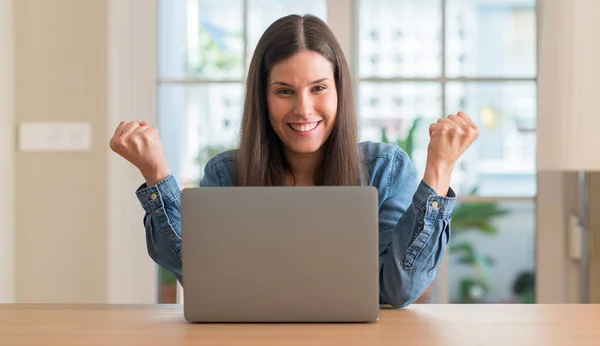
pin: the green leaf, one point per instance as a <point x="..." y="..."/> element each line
<point x="476" y="216"/>
<point x="465" y="253"/>
<point x="407" y="144"/>
<point x="165" y="276"/>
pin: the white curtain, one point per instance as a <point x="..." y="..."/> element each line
<point x="569" y="85"/>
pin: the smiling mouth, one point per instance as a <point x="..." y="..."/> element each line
<point x="304" y="127"/>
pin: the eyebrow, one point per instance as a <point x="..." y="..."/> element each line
<point x="289" y="85"/>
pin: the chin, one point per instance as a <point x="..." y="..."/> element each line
<point x="304" y="148"/>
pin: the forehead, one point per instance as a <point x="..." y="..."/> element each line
<point x="303" y="67"/>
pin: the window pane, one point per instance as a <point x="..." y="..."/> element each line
<point x="400" y="38"/>
<point x="200" y="39"/>
<point x="502" y="161"/>
<point x="262" y="13"/>
<point x="492" y="253"/>
<point x="491" y="38"/>
<point x="389" y="110"/>
<point x="196" y="123"/>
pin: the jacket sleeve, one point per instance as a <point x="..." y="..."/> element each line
<point x="162" y="218"/>
<point x="415" y="226"/>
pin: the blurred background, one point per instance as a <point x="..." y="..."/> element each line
<point x="72" y="228"/>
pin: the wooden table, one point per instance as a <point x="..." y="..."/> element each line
<point x="462" y="325"/>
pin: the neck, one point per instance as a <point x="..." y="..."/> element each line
<point x="303" y="167"/>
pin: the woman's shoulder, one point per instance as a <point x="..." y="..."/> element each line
<point x="225" y="156"/>
<point x="224" y="160"/>
<point x="373" y="152"/>
<point x="220" y="169"/>
<point x="382" y="161"/>
<point x="386" y="163"/>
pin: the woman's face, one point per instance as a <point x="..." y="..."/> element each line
<point x="302" y="101"/>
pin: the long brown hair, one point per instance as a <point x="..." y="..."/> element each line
<point x="260" y="159"/>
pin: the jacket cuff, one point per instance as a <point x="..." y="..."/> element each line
<point x="435" y="206"/>
<point x="162" y="194"/>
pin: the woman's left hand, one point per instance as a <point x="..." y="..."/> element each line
<point x="449" y="139"/>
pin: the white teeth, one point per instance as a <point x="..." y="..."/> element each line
<point x="304" y="127"/>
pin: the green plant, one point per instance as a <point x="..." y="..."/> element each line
<point x="407" y="143"/>
<point x="474" y="217"/>
<point x="165" y="277"/>
<point x="524" y="287"/>
<point x="466" y="217"/>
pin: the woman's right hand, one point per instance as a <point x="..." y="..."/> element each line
<point x="139" y="143"/>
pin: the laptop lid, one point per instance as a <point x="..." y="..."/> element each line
<point x="280" y="254"/>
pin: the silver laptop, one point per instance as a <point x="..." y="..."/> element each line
<point x="280" y="254"/>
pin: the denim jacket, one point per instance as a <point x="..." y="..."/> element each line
<point x="414" y="221"/>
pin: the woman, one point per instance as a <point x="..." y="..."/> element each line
<point x="299" y="127"/>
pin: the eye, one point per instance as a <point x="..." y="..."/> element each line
<point x="284" y="91"/>
<point x="319" y="88"/>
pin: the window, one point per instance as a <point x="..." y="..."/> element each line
<point x="420" y="60"/>
<point x="413" y="61"/>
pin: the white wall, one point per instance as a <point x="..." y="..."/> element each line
<point x="60" y="202"/>
<point x="70" y="226"/>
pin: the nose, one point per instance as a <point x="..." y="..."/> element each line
<point x="303" y="105"/>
